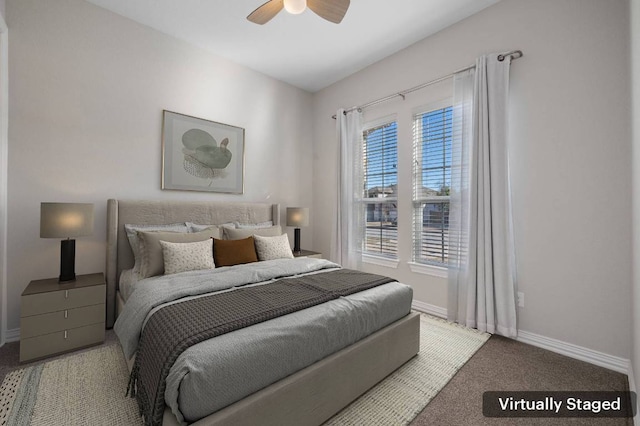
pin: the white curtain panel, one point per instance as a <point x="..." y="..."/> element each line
<point x="481" y="250"/>
<point x="346" y="244"/>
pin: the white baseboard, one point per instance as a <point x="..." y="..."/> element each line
<point x="591" y="356"/>
<point x="13" y="335"/>
<point x="427" y="308"/>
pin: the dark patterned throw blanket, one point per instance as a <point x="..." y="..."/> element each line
<point x="174" y="328"/>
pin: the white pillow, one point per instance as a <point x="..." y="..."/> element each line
<point x="269" y="248"/>
<point x="196" y="227"/>
<point x="182" y="257"/>
<point x="132" y="236"/>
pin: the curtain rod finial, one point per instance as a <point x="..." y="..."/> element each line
<point x="515" y="54"/>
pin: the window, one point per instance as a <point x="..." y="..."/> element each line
<point x="431" y="183"/>
<point x="380" y="192"/>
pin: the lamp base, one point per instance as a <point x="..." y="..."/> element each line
<point x="67" y="261"/>
<point x="296" y="240"/>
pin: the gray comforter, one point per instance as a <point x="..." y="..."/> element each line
<point x="150" y="293"/>
<point x="220" y="371"/>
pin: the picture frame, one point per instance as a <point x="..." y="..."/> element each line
<point x="201" y="155"/>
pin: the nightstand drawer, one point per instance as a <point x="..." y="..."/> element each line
<point x="37" y="325"/>
<point x="41" y="303"/>
<point x="61" y="341"/>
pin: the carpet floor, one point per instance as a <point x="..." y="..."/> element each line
<point x="504" y="365"/>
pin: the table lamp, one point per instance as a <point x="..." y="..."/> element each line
<point x="297" y="216"/>
<point x="66" y="220"/>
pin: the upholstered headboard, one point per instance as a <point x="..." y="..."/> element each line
<point x="140" y="212"/>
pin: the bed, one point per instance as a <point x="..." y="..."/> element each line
<point x="307" y="396"/>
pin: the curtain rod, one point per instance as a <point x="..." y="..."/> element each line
<point x="514" y="54"/>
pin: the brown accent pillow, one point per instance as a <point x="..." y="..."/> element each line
<point x="234" y="252"/>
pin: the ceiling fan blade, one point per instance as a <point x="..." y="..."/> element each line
<point x="266" y="12"/>
<point x="331" y="10"/>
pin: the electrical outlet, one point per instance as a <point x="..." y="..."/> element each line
<point x="521" y="299"/>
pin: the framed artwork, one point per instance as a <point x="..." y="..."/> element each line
<point x="201" y="155"/>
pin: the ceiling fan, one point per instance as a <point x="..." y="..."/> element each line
<point x="331" y="10"/>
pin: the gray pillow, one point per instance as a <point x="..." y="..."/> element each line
<point x="239" y="234"/>
<point x="151" y="258"/>
<point x="132" y="235"/>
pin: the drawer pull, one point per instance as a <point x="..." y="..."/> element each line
<point x="65" y="334"/>
<point x="66" y="314"/>
<point x="66" y="294"/>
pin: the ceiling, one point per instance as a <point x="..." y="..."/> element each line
<point x="303" y="50"/>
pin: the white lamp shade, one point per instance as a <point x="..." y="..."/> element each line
<point x="65" y="220"/>
<point x="297" y="216"/>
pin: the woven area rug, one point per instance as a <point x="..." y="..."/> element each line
<point x="83" y="389"/>
<point x="88" y="388"/>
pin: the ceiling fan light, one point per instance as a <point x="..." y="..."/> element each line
<point x="295" y="7"/>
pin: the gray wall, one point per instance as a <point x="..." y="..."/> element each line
<point x="87" y="90"/>
<point x="635" y="82"/>
<point x="571" y="157"/>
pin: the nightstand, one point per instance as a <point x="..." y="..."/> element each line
<point x="307" y="253"/>
<point x="57" y="318"/>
